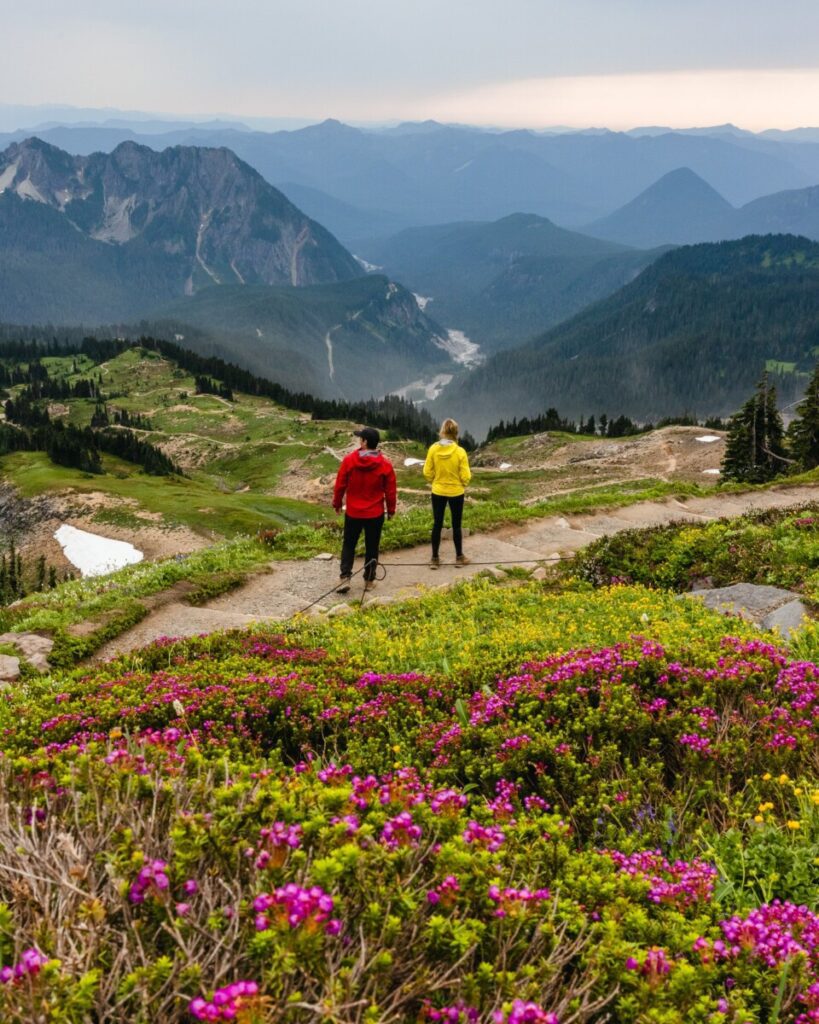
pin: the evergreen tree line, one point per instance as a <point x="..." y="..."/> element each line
<point x="19" y="576"/>
<point x="77" y="447"/>
<point x="208" y="386"/>
<point x="603" y="426"/>
<point x="391" y="413"/>
<point x="758" y="448"/>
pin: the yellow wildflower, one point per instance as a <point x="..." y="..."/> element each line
<point x="767" y="777"/>
<point x="793" y="825"/>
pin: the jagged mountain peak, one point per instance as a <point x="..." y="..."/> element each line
<point x="216" y="215"/>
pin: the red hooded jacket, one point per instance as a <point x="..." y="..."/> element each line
<point x="368" y="480"/>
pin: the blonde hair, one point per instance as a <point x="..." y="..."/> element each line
<point x="449" y="428"/>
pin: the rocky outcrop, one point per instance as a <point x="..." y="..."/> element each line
<point x="769" y="607"/>
<point x="34" y="648"/>
<point x="214" y="216"/>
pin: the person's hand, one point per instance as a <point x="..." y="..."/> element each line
<point x="338" y="511"/>
<point x="390" y="515"/>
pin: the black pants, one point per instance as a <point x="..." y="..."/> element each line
<point x="372" y="539"/>
<point x="456" y="511"/>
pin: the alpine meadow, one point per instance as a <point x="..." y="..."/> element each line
<point x="409" y="513"/>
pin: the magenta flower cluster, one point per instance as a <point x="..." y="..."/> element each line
<point x="509" y="900"/>
<point x="680" y="883"/>
<point x="446" y="893"/>
<point x="298" y="907"/>
<point x="489" y="836"/>
<point x="459" y="1013"/>
<point x="274" y="843"/>
<point x="525" y="1013"/>
<point x="226" y="1001"/>
<point x="152" y="875"/>
<point x="401" y="831"/>
<point x="27" y="966"/>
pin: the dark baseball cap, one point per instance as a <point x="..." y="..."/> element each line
<point x="370" y="435"/>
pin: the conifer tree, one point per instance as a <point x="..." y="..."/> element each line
<point x="754" y="450"/>
<point x="803" y="433"/>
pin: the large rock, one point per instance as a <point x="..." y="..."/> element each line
<point x="768" y="607"/>
<point x="33" y="647"/>
<point x="9" y="669"/>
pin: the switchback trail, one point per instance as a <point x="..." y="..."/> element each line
<point x="288" y="587"/>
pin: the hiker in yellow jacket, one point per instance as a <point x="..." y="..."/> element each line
<point x="447" y="469"/>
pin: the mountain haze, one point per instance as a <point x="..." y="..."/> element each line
<point x="504" y="281"/>
<point x="691" y="334"/>
<point x="681" y="208"/>
<point x="353" y="339"/>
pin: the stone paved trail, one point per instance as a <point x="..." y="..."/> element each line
<point x="288" y="587"/>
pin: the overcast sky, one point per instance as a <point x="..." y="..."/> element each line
<point x="618" y="63"/>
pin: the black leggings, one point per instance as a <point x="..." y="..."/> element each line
<point x="456" y="511"/>
<point x="372" y="539"/>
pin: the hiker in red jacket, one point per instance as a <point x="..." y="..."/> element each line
<point x="368" y="481"/>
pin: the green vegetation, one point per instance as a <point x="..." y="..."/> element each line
<point x="498" y="805"/>
<point x="81" y="615"/>
<point x="691" y="335"/>
<point x="778" y="547"/>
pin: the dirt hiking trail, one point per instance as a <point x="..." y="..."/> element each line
<point x="289" y="587"/>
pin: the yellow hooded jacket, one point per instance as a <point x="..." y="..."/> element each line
<point x="447" y="469"/>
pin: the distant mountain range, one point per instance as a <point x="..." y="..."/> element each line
<point x="142" y="227"/>
<point x="193" y="236"/>
<point x="691" y="334"/>
<point x="681" y="208"/>
<point x="505" y="281"/>
<point x="428" y="173"/>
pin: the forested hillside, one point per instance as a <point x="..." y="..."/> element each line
<point x="506" y="281"/>
<point x="691" y="334"/>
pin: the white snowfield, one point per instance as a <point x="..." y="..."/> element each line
<point x="713" y="472"/>
<point x="505" y="465"/>
<point x="413" y="462"/>
<point x="708" y="438"/>
<point x="94" y="555"/>
<point x="460" y="348"/>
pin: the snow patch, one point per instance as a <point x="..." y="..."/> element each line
<point x="413" y="462"/>
<point x="712" y="472"/>
<point x="392" y="289"/>
<point x="424" y="391"/>
<point x="7" y="177"/>
<point x="460" y="349"/>
<point x="505" y="465"/>
<point x="28" y="190"/>
<point x="369" y="267"/>
<point x="708" y="438"/>
<point x="94" y="555"/>
<point x="422" y="300"/>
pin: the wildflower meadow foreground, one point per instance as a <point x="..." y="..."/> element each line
<point x="586" y="806"/>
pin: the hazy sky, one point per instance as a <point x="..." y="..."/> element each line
<point x="618" y="63"/>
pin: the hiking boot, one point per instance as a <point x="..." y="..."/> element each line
<point x="369" y="584"/>
<point x="435" y="562"/>
<point x="462" y="560"/>
<point x="344" y="585"/>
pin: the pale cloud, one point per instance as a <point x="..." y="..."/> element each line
<point x="533" y="62"/>
<point x="753" y="99"/>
